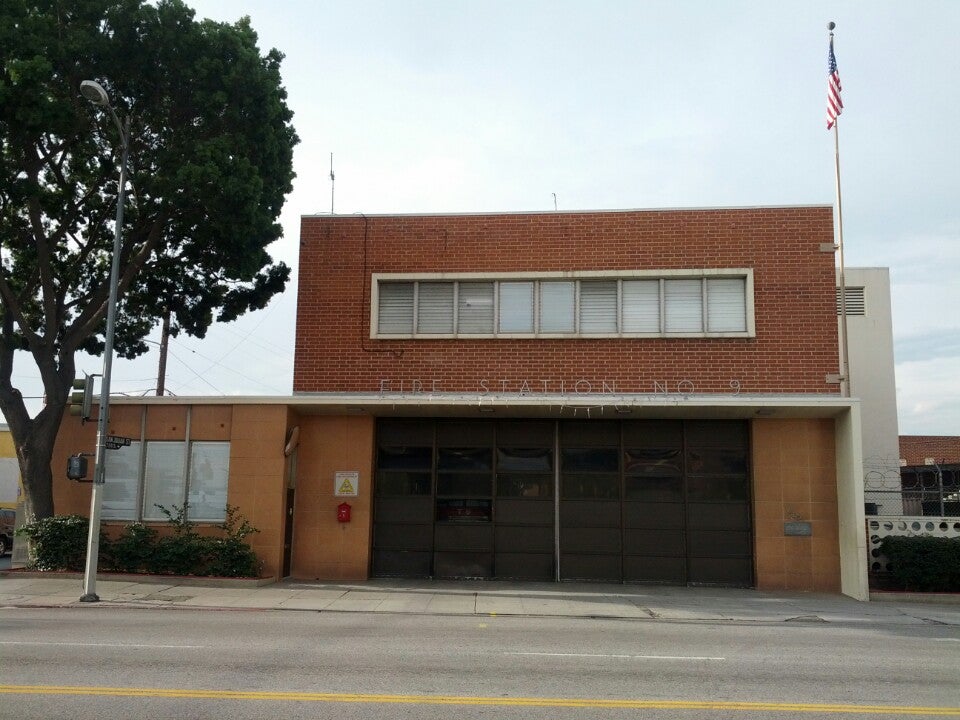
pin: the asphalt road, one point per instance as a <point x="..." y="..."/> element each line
<point x="102" y="662"/>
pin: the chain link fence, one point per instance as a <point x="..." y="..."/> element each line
<point x="908" y="501"/>
<point x="917" y="491"/>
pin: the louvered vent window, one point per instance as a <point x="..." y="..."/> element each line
<point x="855" y="302"/>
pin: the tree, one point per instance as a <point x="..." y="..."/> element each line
<point x="211" y="146"/>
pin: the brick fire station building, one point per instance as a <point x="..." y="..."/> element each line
<point x="620" y="396"/>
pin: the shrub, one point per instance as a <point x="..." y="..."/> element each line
<point x="230" y="556"/>
<point x="182" y="553"/>
<point x="58" y="543"/>
<point x="131" y="551"/>
<point x="928" y="564"/>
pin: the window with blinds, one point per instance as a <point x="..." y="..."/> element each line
<point x="435" y="308"/>
<point x="726" y="305"/>
<point x="641" y="306"/>
<point x="395" y="311"/>
<point x="558" y="307"/>
<point x="598" y="307"/>
<point x="683" y="306"/>
<point x="516" y="307"/>
<point x="475" y="308"/>
<point x="702" y="304"/>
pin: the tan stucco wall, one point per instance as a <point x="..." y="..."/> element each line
<point x="71" y="497"/>
<point x="794" y="479"/>
<point x="256" y="484"/>
<point x="322" y="547"/>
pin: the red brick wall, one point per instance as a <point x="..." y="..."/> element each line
<point x="915" y="449"/>
<point x="796" y="329"/>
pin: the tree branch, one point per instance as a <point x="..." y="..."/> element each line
<point x="86" y="323"/>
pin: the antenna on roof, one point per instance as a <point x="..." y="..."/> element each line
<point x="554" y="201"/>
<point x="331" y="183"/>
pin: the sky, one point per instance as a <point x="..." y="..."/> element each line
<point x="503" y="106"/>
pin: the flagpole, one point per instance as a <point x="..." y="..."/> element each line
<point x="844" y="347"/>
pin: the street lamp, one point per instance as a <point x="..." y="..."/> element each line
<point x="94" y="92"/>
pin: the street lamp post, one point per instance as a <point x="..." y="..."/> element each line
<point x="95" y="93"/>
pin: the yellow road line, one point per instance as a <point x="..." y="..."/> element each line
<point x="467" y="700"/>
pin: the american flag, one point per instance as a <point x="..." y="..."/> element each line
<point x="834" y="103"/>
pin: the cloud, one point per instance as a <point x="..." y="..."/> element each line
<point x="928" y="397"/>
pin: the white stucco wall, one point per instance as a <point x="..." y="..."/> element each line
<point x="872" y="379"/>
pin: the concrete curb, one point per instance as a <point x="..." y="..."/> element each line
<point x="917" y="597"/>
<point x="186" y="580"/>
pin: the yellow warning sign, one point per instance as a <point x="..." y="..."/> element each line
<point x="346" y="483"/>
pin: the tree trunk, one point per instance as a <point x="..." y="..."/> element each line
<point x="34" y="441"/>
<point x="34" y="438"/>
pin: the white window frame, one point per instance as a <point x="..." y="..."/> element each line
<point x="702" y="274"/>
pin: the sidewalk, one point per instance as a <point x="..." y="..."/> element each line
<point x="485" y="598"/>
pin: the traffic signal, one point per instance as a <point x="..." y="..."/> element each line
<point x="81" y="399"/>
<point x="77" y="467"/>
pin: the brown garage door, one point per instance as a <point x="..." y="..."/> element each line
<point x="686" y="502"/>
<point x="663" y="501"/>
<point x="464" y="499"/>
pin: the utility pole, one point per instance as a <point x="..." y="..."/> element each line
<point x="164" y="337"/>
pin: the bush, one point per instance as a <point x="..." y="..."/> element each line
<point x="60" y="543"/>
<point x="131" y="551"/>
<point x="230" y="556"/>
<point x="927" y="564"/>
<point x="182" y="553"/>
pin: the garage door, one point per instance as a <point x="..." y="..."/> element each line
<point x="663" y="501"/>
<point x="656" y="501"/>
<point x="465" y="499"/>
